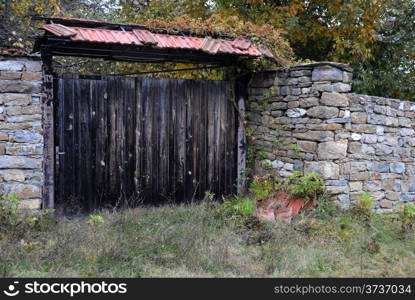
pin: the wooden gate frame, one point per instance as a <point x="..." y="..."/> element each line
<point x="48" y="192"/>
<point x="49" y="151"/>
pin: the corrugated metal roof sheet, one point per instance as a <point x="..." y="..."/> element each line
<point x="145" y="38"/>
<point x="59" y="30"/>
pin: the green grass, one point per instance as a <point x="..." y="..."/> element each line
<point x="204" y="240"/>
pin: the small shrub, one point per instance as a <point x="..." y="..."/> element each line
<point x="310" y="186"/>
<point x="210" y="196"/>
<point x="326" y="208"/>
<point x="267" y="166"/>
<point x="95" y="220"/>
<point x="9" y="211"/>
<point x="363" y="206"/>
<point x="406" y="215"/>
<point x="239" y="206"/>
<point x="263" y="186"/>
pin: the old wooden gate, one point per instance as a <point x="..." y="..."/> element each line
<point x="122" y="139"/>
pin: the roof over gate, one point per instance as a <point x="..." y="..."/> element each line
<point x="133" y="42"/>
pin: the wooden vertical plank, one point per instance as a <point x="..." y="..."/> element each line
<point x="130" y="128"/>
<point x="163" y="140"/>
<point x="241" y="95"/>
<point x="112" y="141"/>
<point x="172" y="135"/>
<point x="60" y="138"/>
<point x="181" y="140"/>
<point x="138" y="174"/>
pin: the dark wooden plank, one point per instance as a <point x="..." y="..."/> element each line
<point x="138" y="173"/>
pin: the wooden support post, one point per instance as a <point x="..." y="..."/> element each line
<point x="241" y="94"/>
<point x="48" y="133"/>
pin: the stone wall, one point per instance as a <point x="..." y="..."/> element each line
<point x="21" y="140"/>
<point x="305" y="118"/>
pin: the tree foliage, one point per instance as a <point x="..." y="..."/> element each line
<point x="375" y="37"/>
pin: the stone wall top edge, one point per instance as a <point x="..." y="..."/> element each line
<point x="379" y="97"/>
<point x="308" y="66"/>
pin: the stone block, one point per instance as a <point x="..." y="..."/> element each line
<point x="397" y="167"/>
<point x="355" y="137"/>
<point x="327" y="73"/>
<point x="326" y="169"/>
<point x="296" y="112"/>
<point x="332" y="150"/>
<point x="32" y="76"/>
<point x="335" y="190"/>
<point x="336" y="182"/>
<point x="300" y="73"/>
<point x="360" y="176"/>
<point x="359" y="117"/>
<point x="342" y="87"/>
<point x="30" y="204"/>
<point x="370" y="138"/>
<point x="358" y="166"/>
<point x="24" y="149"/>
<point x="10" y="75"/>
<point x="32" y="109"/>
<point x="13" y="110"/>
<point x="11" y="66"/>
<point x="293" y="104"/>
<point x="382" y="149"/>
<point x="13" y="86"/>
<point x="321" y="136"/>
<point x="386" y="204"/>
<point x="347" y="76"/>
<point x="323" y="112"/>
<point x="322" y="87"/>
<point x="392" y="196"/>
<point x="355" y="186"/>
<point x="33" y="66"/>
<point x="355" y="147"/>
<point x="19" y="162"/>
<point x="334" y="99"/>
<point x="13" y="175"/>
<point x="11" y="99"/>
<point x="23" y="191"/>
<point x="25" y="136"/>
<point x="307" y="146"/>
<point x="363" y="128"/>
<point x="407" y="132"/>
<point x="372" y="186"/>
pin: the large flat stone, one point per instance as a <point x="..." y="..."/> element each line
<point x="327" y="73"/>
<point x="334" y="99"/>
<point x="22" y="191"/>
<point x="307" y="146"/>
<point x="10" y="65"/>
<point x="332" y="150"/>
<point x="30" y="204"/>
<point x="26" y="136"/>
<point x="326" y="169"/>
<point x="19" y="86"/>
<point x="11" y="99"/>
<point x="321" y="136"/>
<point x="323" y="112"/>
<point x="19" y="162"/>
<point x="33" y="66"/>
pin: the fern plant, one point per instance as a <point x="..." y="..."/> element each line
<point x="308" y="187"/>
<point x="364" y="205"/>
<point x="406" y="215"/>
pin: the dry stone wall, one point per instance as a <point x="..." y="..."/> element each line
<point x="21" y="139"/>
<point x="305" y="119"/>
